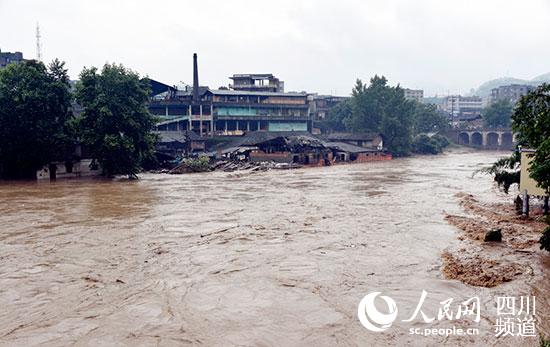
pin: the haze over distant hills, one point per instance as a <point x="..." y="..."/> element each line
<point x="485" y="89"/>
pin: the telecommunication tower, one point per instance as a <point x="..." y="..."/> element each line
<point x="38" y="44"/>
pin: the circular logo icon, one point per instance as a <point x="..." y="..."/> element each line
<point x="373" y="319"/>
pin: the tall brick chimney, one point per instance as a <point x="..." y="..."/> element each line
<point x="196" y="98"/>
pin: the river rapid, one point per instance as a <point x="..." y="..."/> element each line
<point x="277" y="258"/>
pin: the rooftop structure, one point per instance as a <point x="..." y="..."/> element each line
<point x="414" y="94"/>
<point x="257" y="82"/>
<point x="367" y="140"/>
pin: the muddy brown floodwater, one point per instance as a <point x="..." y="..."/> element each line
<point x="265" y="259"/>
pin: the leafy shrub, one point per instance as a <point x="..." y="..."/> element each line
<point x="424" y="144"/>
<point x="200" y="164"/>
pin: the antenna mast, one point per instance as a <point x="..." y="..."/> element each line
<point x="38" y="45"/>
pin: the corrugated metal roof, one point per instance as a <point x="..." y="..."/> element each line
<point x="294" y="138"/>
<point x="346" y="147"/>
<point x="178" y="136"/>
<point x="252" y="75"/>
<point x="351" y="136"/>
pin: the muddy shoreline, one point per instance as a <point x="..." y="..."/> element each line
<point x="489" y="264"/>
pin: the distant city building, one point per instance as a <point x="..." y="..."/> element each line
<point x="414" y="94"/>
<point x="8" y="58"/>
<point x="512" y="92"/>
<point x="436" y="100"/>
<point x="460" y="106"/>
<point x="463" y="110"/>
<point x="257" y="83"/>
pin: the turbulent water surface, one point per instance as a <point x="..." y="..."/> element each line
<point x="273" y="258"/>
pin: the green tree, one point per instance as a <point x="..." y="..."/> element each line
<point x="367" y="105"/>
<point x="35" y="113"/>
<point x="425" y="144"/>
<point x="531" y="122"/>
<point x="383" y="109"/>
<point x="506" y="171"/>
<point x="498" y="114"/>
<point x="427" y="119"/>
<point x="116" y="123"/>
<point x="397" y="123"/>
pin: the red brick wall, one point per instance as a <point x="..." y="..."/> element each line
<point x="377" y="156"/>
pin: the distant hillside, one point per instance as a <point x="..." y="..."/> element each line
<point x="542" y="78"/>
<point x="485" y="89"/>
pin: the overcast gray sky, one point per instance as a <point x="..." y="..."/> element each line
<point x="314" y="45"/>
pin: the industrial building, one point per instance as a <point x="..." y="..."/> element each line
<point x="249" y="106"/>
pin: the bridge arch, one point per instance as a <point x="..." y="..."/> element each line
<point x="477" y="139"/>
<point x="464" y="138"/>
<point x="492" y="139"/>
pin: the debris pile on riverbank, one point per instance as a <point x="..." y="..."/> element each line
<point x="488" y="264"/>
<point x="477" y="270"/>
<point x="232" y="165"/>
<point x="201" y="165"/>
<point x="518" y="232"/>
<point x="191" y="165"/>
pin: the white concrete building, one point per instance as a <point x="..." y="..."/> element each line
<point x="414" y="94"/>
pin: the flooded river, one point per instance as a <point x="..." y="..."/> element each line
<point x="263" y="259"/>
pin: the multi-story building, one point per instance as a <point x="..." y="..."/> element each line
<point x="210" y="112"/>
<point x="8" y="58"/>
<point x="512" y="92"/>
<point x="257" y="83"/>
<point x="458" y="106"/>
<point x="321" y="104"/>
<point x="414" y="94"/>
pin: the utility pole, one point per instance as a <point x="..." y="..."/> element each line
<point x="38" y="45"/>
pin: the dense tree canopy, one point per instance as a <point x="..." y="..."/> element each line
<point x="425" y="144"/>
<point x="34" y="117"/>
<point x="428" y="119"/>
<point x="381" y="108"/>
<point x="116" y="123"/>
<point x="498" y="114"/>
<point x="531" y="121"/>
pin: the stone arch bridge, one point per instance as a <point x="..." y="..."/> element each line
<point x="484" y="138"/>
